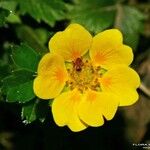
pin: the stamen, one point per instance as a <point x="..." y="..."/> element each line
<point x="83" y="75"/>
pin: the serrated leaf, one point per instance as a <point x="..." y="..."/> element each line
<point x="48" y="11"/>
<point x="95" y="15"/>
<point x="13" y="18"/>
<point x="21" y="93"/>
<point x="8" y="4"/>
<point x="25" y="57"/>
<point x="11" y="6"/>
<point x="36" y="109"/>
<point x="130" y="23"/>
<point x="3" y="14"/>
<point x="42" y="109"/>
<point x="19" y="86"/>
<point x="28" y="112"/>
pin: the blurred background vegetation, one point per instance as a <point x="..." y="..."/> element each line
<point x="28" y="125"/>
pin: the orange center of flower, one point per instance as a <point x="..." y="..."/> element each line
<point x="60" y="75"/>
<point x="83" y="75"/>
<point x="100" y="58"/>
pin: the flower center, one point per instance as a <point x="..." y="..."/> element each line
<point x="83" y="75"/>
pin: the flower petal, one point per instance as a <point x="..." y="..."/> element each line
<point x="121" y="81"/>
<point x="71" y="43"/>
<point x="64" y="109"/>
<point x="51" y="78"/>
<point x="107" y="49"/>
<point x="95" y="105"/>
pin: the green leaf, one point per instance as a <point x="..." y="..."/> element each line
<point x="13" y="18"/>
<point x="29" y="35"/>
<point x="28" y="112"/>
<point x="130" y="23"/>
<point x="18" y="77"/>
<point x="19" y="86"/>
<point x="43" y="35"/>
<point x="4" y="71"/>
<point x="8" y="4"/>
<point x="11" y="6"/>
<point x="36" y="109"/>
<point x="48" y="11"/>
<point x="95" y="15"/>
<point x="3" y="14"/>
<point x="25" y="57"/>
<point x="21" y="93"/>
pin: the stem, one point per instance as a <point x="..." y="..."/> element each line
<point x="144" y="89"/>
<point x="119" y="15"/>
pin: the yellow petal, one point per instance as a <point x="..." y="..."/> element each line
<point x="95" y="105"/>
<point x="107" y="49"/>
<point x="123" y="82"/>
<point x="64" y="109"/>
<point x="71" y="43"/>
<point x="51" y="77"/>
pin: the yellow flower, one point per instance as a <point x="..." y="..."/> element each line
<point x="88" y="78"/>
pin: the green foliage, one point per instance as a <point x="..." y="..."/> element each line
<point x="35" y="109"/>
<point x="3" y="14"/>
<point x="48" y="11"/>
<point x="130" y="23"/>
<point x="4" y="71"/>
<point x="25" y="57"/>
<point x="11" y="6"/>
<point x="8" y="4"/>
<point x="98" y="15"/>
<point x="19" y="86"/>
<point x="95" y="15"/>
<point x="35" y="38"/>
<point x="28" y="112"/>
